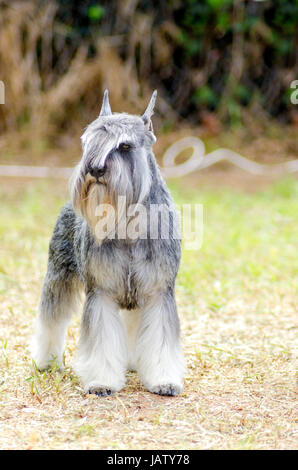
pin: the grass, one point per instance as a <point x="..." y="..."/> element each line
<point x="237" y="299"/>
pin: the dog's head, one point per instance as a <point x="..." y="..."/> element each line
<point x="114" y="161"/>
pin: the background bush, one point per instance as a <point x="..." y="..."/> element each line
<point x="204" y="56"/>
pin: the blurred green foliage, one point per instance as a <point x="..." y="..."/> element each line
<point x="233" y="58"/>
<point x="201" y="68"/>
<point x="95" y="12"/>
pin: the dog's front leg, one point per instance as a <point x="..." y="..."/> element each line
<point x="159" y="356"/>
<point x="102" y="354"/>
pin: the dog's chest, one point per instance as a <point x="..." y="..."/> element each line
<point x="129" y="273"/>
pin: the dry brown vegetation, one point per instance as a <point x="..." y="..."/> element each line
<point x="41" y="99"/>
<point x="54" y="75"/>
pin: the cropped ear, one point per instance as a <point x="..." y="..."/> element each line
<point x="105" y="107"/>
<point x="149" y="112"/>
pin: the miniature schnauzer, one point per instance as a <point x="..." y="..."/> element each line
<point x="130" y="319"/>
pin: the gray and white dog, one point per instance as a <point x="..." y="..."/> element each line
<point x="130" y="318"/>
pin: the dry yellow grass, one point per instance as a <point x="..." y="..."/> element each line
<point x="237" y="299"/>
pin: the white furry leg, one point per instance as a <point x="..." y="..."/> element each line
<point x="58" y="301"/>
<point x="102" y="354"/>
<point x="48" y="342"/>
<point x="131" y="319"/>
<point x="159" y="356"/>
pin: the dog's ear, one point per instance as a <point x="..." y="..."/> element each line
<point x="149" y="112"/>
<point x="105" y="107"/>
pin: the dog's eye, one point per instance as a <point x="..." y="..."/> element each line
<point x="125" y="147"/>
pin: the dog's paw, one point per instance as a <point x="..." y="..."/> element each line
<point x="166" y="389"/>
<point x="100" y="391"/>
<point x="47" y="364"/>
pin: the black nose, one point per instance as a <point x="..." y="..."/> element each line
<point x="97" y="172"/>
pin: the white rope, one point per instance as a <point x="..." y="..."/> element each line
<point x="34" y="171"/>
<point x="196" y="161"/>
<point x="199" y="160"/>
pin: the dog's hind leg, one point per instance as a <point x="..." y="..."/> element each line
<point x="102" y="354"/>
<point x="60" y="298"/>
<point x="158" y="352"/>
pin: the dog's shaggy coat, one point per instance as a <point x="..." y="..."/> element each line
<point x="129" y="317"/>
